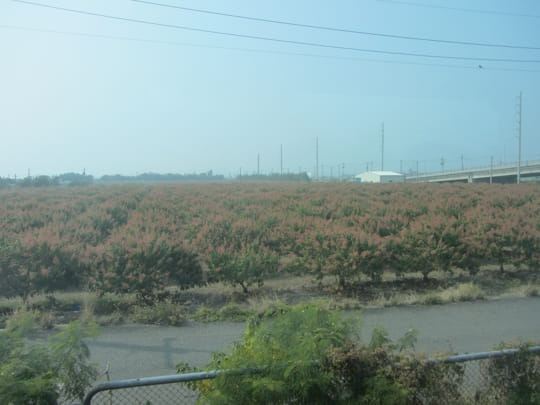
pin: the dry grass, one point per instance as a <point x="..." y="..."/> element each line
<point x="229" y="302"/>
<point x="261" y="305"/>
<point x="460" y="292"/>
<point x="523" y="290"/>
<point x="463" y="292"/>
<point x="531" y="290"/>
<point x="396" y="299"/>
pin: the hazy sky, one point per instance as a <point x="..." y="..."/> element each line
<point x="112" y="96"/>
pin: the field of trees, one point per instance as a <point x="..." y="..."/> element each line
<point x="139" y="239"/>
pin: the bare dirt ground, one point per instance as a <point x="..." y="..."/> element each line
<point x="139" y="351"/>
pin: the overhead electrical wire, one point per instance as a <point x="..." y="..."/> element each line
<point x="467" y="10"/>
<point x="277" y="40"/>
<point x="336" y="29"/>
<point x="253" y="50"/>
<point x="261" y="51"/>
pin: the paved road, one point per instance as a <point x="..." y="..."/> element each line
<point x="140" y="351"/>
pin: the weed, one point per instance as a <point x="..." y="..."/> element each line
<point x="205" y="314"/>
<point x="463" y="292"/>
<point x="46" y="320"/>
<point x="114" y="318"/>
<point x="109" y="303"/>
<point x="233" y="312"/>
<point x="230" y="312"/>
<point x="161" y="313"/>
<point x="531" y="290"/>
<point x="433" y="298"/>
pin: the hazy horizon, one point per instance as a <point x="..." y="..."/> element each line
<point x="91" y="89"/>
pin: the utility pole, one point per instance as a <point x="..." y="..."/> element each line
<point x="491" y="171"/>
<point x="343" y="170"/>
<point x="258" y="164"/>
<point x="462" y="166"/>
<point x="281" y="159"/>
<point x="382" y="147"/>
<point x="401" y="166"/>
<point x="519" y="139"/>
<point x="417" y="172"/>
<point x="317" y="158"/>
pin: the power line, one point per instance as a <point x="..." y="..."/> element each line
<point x="254" y="50"/>
<point x="467" y="10"/>
<point x="277" y="40"/>
<point x="335" y="29"/>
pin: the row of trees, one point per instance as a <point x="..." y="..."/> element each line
<point x="77" y="179"/>
<point x="140" y="239"/>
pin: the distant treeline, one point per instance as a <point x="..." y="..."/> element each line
<point x="275" y="177"/>
<point x="73" y="179"/>
<point x="76" y="179"/>
<point x="169" y="177"/>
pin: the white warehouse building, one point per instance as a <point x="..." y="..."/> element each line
<point x="380" y="177"/>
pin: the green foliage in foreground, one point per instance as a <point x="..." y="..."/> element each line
<point x="518" y="376"/>
<point x="308" y="354"/>
<point x="36" y="373"/>
<point x="293" y="346"/>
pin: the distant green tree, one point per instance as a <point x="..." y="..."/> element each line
<point x="245" y="266"/>
<point x="145" y="269"/>
<point x="28" y="270"/>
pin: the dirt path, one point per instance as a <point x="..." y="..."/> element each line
<point x="139" y="351"/>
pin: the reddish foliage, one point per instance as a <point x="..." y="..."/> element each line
<point x="140" y="238"/>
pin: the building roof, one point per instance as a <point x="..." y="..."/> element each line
<point x="382" y="173"/>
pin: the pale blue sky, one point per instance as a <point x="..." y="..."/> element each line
<point x="203" y="101"/>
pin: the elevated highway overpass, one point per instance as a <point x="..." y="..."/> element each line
<point x="491" y="174"/>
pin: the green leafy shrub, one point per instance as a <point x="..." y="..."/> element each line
<point x="145" y="268"/>
<point x="308" y="354"/>
<point x="40" y="374"/>
<point x="286" y="346"/>
<point x="40" y="267"/>
<point x="244" y="267"/>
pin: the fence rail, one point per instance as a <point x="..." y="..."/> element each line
<point x="475" y="387"/>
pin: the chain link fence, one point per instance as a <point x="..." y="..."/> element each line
<point x="170" y="389"/>
<point x="487" y="378"/>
